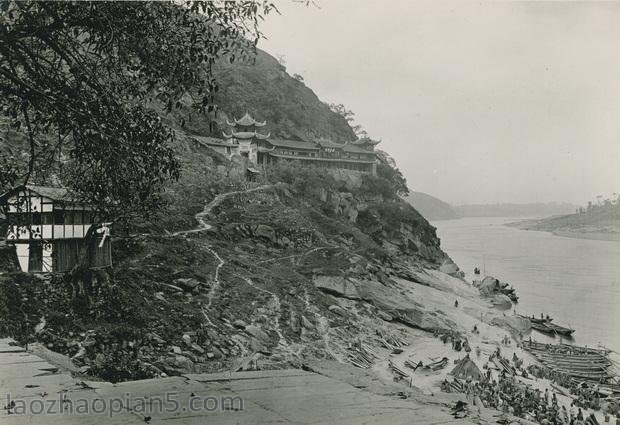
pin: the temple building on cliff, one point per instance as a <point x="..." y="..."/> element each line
<point x="248" y="139"/>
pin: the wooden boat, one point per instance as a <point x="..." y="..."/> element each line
<point x="535" y="320"/>
<point x="552" y="328"/>
<point x="437" y="365"/>
<point x="560" y="330"/>
<point x="580" y="363"/>
<point x="542" y="327"/>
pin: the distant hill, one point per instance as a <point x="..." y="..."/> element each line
<point x="515" y="210"/>
<point x="430" y="207"/>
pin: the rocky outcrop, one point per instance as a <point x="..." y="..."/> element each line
<point x="498" y="293"/>
<point x="338" y="286"/>
<point x="391" y="302"/>
<point x="501" y="301"/>
<point x="515" y="324"/>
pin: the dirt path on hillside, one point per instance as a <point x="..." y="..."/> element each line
<point x="277" y="313"/>
<point x="203" y="226"/>
<point x="200" y="217"/>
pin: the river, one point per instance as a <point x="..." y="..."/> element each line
<point x="576" y="281"/>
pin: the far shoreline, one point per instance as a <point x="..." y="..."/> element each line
<point x="573" y="234"/>
<point x="596" y="236"/>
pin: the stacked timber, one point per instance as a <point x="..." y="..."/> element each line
<point x="362" y="355"/>
<point x="504" y="365"/>
<point x="412" y="365"/>
<point x="580" y="363"/>
<point x="400" y="374"/>
<point x="390" y="341"/>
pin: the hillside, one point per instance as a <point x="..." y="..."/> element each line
<point x="430" y="207"/>
<point x="514" y="210"/>
<point x="292" y="267"/>
<point x="267" y="92"/>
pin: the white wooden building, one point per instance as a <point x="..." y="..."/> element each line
<point x="48" y="226"/>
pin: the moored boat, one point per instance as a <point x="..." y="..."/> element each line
<point x="560" y="330"/>
<point x="536" y="320"/>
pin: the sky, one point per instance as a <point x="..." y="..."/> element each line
<point x="477" y="102"/>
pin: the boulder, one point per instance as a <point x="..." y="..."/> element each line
<point x="181" y="362"/>
<point x="307" y="324"/>
<point x="337" y="310"/>
<point x="488" y="286"/>
<point x="217" y="353"/>
<point x="257" y="333"/>
<point x="448" y="267"/>
<point x="501" y="301"/>
<point x="267" y="232"/>
<point x="385" y="316"/>
<point x="186" y="283"/>
<point x="152" y="336"/>
<point x="240" y="324"/>
<point x="338" y="286"/>
<point x="198" y="348"/>
<point x="258" y="347"/>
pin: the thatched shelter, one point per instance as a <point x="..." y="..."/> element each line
<point x="466" y="368"/>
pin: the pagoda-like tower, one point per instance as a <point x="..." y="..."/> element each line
<point x="366" y="143"/>
<point x="245" y="132"/>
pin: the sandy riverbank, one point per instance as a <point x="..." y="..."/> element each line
<point x="599" y="236"/>
<point x="493" y="325"/>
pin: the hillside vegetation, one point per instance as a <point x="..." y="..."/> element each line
<point x="265" y="90"/>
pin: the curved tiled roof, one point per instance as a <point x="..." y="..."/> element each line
<point x="211" y="141"/>
<point x="246" y="135"/>
<point x="329" y="144"/>
<point x="61" y="194"/>
<point x="246" y="121"/>
<point x="357" y="149"/>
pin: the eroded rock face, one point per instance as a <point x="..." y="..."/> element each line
<point x="392" y="304"/>
<point x="515" y="324"/>
<point x="338" y="286"/>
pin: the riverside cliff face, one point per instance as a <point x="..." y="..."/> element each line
<point x="230" y="271"/>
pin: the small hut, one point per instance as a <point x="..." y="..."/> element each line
<point x="466" y="368"/>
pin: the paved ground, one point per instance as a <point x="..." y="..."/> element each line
<point x="269" y="397"/>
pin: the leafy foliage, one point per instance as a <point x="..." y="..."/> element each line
<point x="77" y="79"/>
<point x="304" y="179"/>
